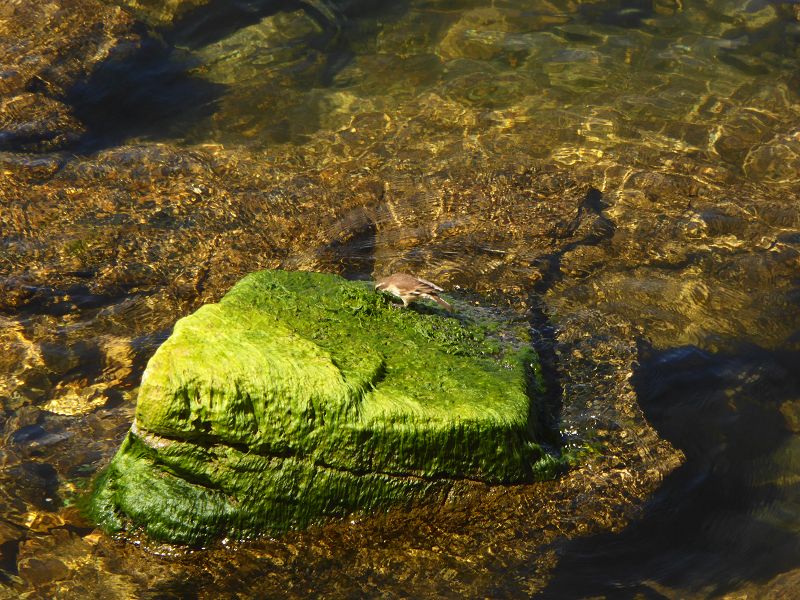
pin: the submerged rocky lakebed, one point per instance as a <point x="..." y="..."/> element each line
<point x="622" y="176"/>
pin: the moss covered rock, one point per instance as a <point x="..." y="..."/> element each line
<point x="303" y="395"/>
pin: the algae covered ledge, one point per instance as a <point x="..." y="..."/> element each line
<point x="301" y="396"/>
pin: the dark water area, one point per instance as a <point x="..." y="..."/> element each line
<point x="624" y="173"/>
<point x="727" y="516"/>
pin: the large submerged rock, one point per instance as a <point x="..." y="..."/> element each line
<point x="303" y="395"/>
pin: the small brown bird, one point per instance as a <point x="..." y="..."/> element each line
<point x="410" y="289"/>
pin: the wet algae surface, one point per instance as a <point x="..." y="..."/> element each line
<point x="621" y="176"/>
<point x="303" y="395"/>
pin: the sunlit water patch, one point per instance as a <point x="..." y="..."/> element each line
<point x="596" y="83"/>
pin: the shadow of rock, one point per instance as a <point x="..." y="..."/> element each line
<point x="40" y="66"/>
<point x="151" y="93"/>
<point x="727" y="413"/>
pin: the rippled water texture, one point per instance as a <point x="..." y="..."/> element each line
<point x="623" y="172"/>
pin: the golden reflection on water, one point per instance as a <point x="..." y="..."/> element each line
<point x="456" y="141"/>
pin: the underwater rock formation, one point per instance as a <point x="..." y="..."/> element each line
<point x="302" y="395"/>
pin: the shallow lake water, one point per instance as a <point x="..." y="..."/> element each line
<point x="622" y="172"/>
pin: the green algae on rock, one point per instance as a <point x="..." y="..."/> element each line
<point x="303" y="395"/>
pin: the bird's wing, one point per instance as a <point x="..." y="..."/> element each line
<point x="426" y="286"/>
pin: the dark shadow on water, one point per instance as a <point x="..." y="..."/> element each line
<point x="591" y="227"/>
<point x="8" y="560"/>
<point x="357" y="252"/>
<point x="618" y="13"/>
<point x="351" y="251"/>
<point x="220" y="18"/>
<point x="149" y="94"/>
<point x="725" y="517"/>
<point x="154" y="94"/>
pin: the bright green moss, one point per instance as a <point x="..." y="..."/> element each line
<point x="302" y="395"/>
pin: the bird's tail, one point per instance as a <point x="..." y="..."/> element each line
<point x="442" y="303"/>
